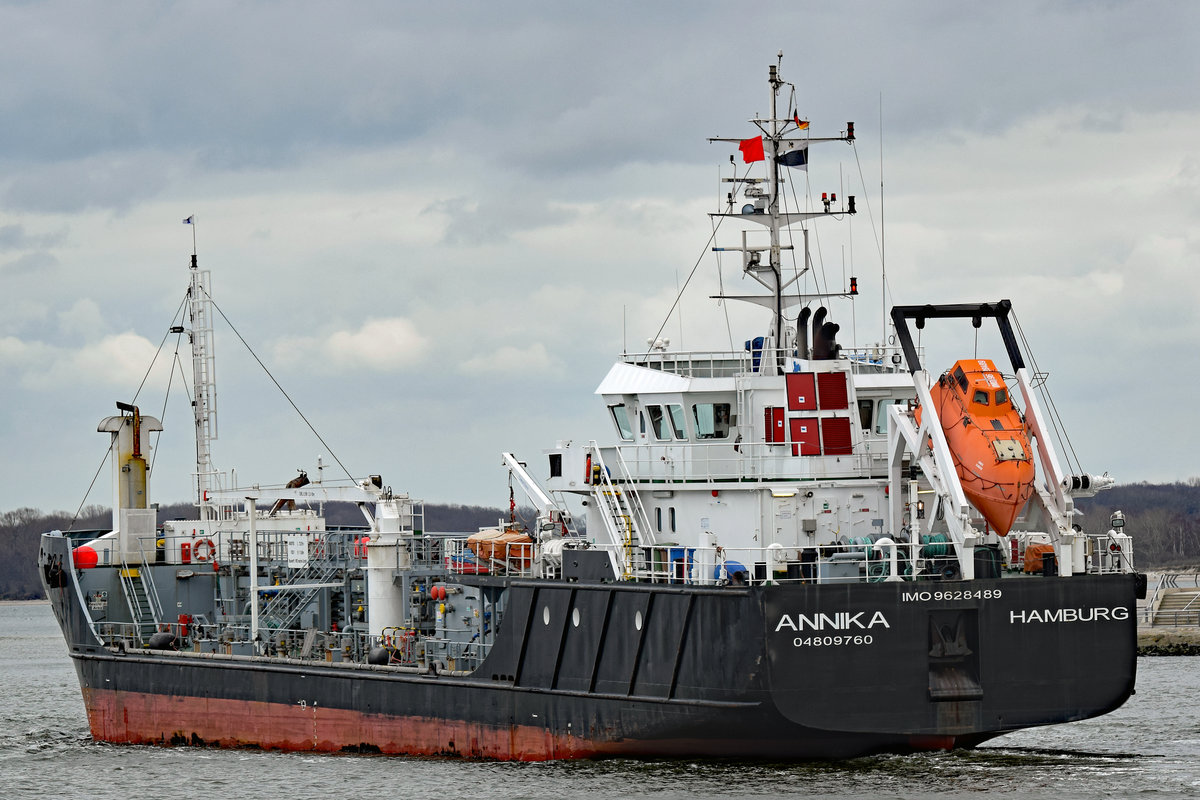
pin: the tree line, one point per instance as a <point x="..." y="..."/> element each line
<point x="1163" y="518"/>
<point x="21" y="530"/>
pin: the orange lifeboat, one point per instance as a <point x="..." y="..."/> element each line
<point x="987" y="439"/>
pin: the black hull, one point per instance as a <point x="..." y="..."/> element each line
<point x="775" y="672"/>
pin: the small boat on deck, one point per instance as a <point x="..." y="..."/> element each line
<point x="988" y="440"/>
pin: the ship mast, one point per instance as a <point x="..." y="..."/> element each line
<point x="772" y="152"/>
<point x="204" y="404"/>
<point x="777" y="151"/>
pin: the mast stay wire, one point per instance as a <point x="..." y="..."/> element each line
<point x="157" y="352"/>
<point x="886" y="288"/>
<point x="78" y="511"/>
<point x="1060" y="430"/>
<point x="818" y="274"/>
<point x="720" y="267"/>
<point x="683" y="288"/>
<point x="818" y="271"/>
<point x="282" y="391"/>
<point x="108" y="450"/>
<point x="167" y="396"/>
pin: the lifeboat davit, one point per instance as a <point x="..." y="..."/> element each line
<point x="987" y="439"/>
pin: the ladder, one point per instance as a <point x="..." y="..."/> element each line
<point x="624" y="516"/>
<point x="140" y="603"/>
<point x="293" y="597"/>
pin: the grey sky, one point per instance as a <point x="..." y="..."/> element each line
<point x="431" y="219"/>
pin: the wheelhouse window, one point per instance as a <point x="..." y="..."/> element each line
<point x="866" y="410"/>
<point x="712" y="420"/>
<point x="881" y="419"/>
<point x="621" y="420"/>
<point x="678" y="427"/>
<point x="981" y="397"/>
<point x="1001" y="397"/>
<point x="658" y="422"/>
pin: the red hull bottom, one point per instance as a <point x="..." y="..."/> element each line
<point x="150" y="719"/>
<point x="141" y="718"/>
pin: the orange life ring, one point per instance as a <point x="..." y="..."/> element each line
<point x="207" y="554"/>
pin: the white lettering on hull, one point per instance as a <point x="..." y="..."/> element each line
<point x="1058" y="615"/>
<point x="838" y="621"/>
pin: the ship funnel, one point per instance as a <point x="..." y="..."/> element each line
<point x="802" y="333"/>
<point x="133" y="518"/>
<point x="824" y="345"/>
<point x="818" y="319"/>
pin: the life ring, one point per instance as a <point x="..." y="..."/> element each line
<point x="209" y="552"/>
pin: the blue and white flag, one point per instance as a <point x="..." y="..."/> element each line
<point x="796" y="158"/>
<point x="188" y="221"/>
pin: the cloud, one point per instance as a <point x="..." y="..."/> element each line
<point x="380" y="345"/>
<point x="18" y="312"/>
<point x="14" y="237"/>
<point x="119" y="361"/>
<point x="1046" y="154"/>
<point x="103" y="181"/>
<point x="491" y="220"/>
<point x="84" y="318"/>
<point x="531" y="360"/>
<point x="29" y="264"/>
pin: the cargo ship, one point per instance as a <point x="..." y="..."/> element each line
<point x="792" y="550"/>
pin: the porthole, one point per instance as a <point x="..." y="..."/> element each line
<point x="575" y="618"/>
<point x="637" y="620"/>
<point x="546" y="615"/>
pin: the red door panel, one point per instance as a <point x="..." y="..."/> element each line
<point x="835" y="433"/>
<point x="806" y="440"/>
<point x="775" y="433"/>
<point x="831" y="386"/>
<point x="801" y="391"/>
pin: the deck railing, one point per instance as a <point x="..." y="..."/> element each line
<point x="730" y="363"/>
<point x="401" y="647"/>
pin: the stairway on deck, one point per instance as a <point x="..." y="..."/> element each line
<point x="139" y="603"/>
<point x="1178" y="607"/>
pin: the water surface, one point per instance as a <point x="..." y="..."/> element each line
<point x="1148" y="748"/>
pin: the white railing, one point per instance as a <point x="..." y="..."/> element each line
<point x="1108" y="555"/>
<point x="679" y="462"/>
<point x="403" y="648"/>
<point x="730" y="363"/>
<point x="859" y="560"/>
<point x="512" y="559"/>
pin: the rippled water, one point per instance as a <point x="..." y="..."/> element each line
<point x="1148" y="748"/>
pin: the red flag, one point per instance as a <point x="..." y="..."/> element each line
<point x="752" y="150"/>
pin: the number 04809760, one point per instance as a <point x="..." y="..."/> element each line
<point x="832" y="641"/>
